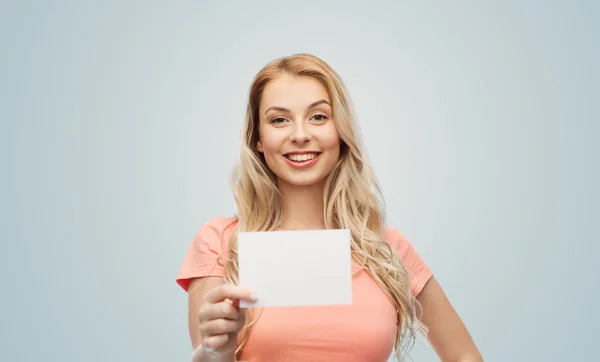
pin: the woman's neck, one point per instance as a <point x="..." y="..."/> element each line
<point x="303" y="207"/>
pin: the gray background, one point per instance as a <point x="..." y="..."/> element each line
<point x="120" y="125"/>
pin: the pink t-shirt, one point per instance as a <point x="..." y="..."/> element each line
<point x="362" y="331"/>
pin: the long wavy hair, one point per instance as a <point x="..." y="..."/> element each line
<point x="352" y="196"/>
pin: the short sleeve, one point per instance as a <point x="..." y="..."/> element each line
<point x="418" y="271"/>
<point x="207" y="252"/>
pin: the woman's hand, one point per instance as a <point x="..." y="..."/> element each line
<point x="220" y="318"/>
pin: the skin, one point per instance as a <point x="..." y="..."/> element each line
<point x="296" y="116"/>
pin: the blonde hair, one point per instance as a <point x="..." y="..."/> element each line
<point x="352" y="196"/>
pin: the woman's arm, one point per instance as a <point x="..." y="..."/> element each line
<point x="447" y="335"/>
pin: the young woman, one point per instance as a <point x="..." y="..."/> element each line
<point x="301" y="167"/>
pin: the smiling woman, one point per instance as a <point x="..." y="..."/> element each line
<point x="301" y="167"/>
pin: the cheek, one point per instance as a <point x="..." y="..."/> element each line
<point x="270" y="143"/>
<point x="330" y="140"/>
<point x="270" y="147"/>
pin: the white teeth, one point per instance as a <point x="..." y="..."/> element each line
<point x="304" y="157"/>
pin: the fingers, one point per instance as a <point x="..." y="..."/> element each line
<point x="215" y="342"/>
<point x="228" y="291"/>
<point x="225" y="310"/>
<point x="220" y="318"/>
<point x="219" y="326"/>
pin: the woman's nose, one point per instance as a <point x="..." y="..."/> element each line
<point x="300" y="133"/>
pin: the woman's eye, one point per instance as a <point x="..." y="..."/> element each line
<point x="319" y="117"/>
<point x="278" y="120"/>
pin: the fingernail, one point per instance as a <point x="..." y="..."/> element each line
<point x="253" y="297"/>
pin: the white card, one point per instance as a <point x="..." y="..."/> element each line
<point x="296" y="268"/>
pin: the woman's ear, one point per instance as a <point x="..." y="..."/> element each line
<point x="259" y="146"/>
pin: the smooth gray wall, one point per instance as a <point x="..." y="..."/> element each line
<point x="120" y="125"/>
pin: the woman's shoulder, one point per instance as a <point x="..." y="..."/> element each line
<point x="220" y="223"/>
<point x="391" y="233"/>
<point x="396" y="239"/>
<point x="216" y="229"/>
<point x="214" y="233"/>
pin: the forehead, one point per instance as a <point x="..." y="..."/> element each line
<point x="292" y="92"/>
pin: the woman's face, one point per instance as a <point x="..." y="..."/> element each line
<point x="297" y="135"/>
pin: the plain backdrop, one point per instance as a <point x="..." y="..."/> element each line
<point x="120" y="126"/>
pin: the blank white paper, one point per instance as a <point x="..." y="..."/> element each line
<point x="296" y="268"/>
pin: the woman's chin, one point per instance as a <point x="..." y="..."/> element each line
<point x="302" y="181"/>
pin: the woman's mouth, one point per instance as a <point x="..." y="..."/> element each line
<point x="301" y="160"/>
<point x="304" y="157"/>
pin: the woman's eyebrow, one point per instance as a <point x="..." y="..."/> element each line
<point x="283" y="109"/>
